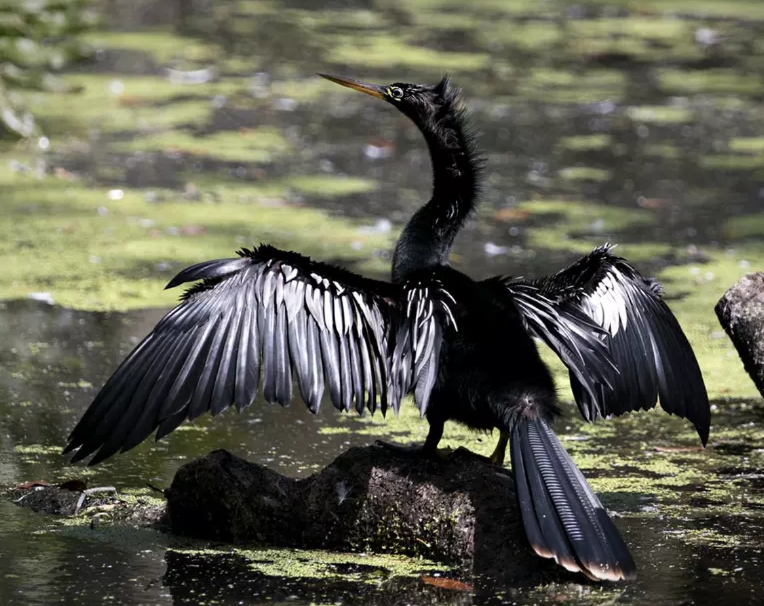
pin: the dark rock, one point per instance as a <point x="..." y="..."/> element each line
<point x="461" y="511"/>
<point x="741" y="313"/>
<point x="46" y="499"/>
<point x="56" y="500"/>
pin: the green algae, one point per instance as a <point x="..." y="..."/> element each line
<point x="709" y="81"/>
<point x="317" y="564"/>
<point x="94" y="252"/>
<point x="579" y="225"/>
<point x="329" y="185"/>
<point x="744" y="227"/>
<point x="163" y="46"/>
<point x="389" y="52"/>
<point x="731" y="162"/>
<point x="259" y="145"/>
<point x="752" y="145"/>
<point x="567" y="86"/>
<point x="584" y="173"/>
<point x="123" y="102"/>
<point x="585" y="142"/>
<point x="656" y="114"/>
<point x="663" y="150"/>
<point x="37" y="449"/>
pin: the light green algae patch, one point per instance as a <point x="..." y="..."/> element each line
<point x="584" y="173"/>
<point x="567" y="86"/>
<point x="37" y="449"/>
<point x="744" y="227"/>
<point x="123" y="103"/>
<point x="585" y="142"/>
<point x="95" y="248"/>
<point x="659" y="114"/>
<point x="379" y="51"/>
<point x="259" y="145"/>
<point x="317" y="564"/>
<point x="731" y="162"/>
<point x="751" y="145"/>
<point x="579" y="226"/>
<point x="709" y="81"/>
<point x="163" y="46"/>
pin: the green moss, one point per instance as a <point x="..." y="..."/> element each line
<point x="648" y="27"/>
<point x="569" y="86"/>
<point x="259" y="145"/>
<point x="754" y="145"/>
<point x="120" y="103"/>
<point x="584" y="173"/>
<point x="163" y="46"/>
<point x="530" y="36"/>
<point x="91" y="252"/>
<point x="709" y="81"/>
<point x="37" y="449"/>
<point x="295" y="563"/>
<point x="386" y="51"/>
<point x="745" y="226"/>
<point x="585" y="142"/>
<point x="658" y="114"/>
<point x="328" y="185"/>
<point x="731" y="162"/>
<point x="578" y="226"/>
<point x="663" y="150"/>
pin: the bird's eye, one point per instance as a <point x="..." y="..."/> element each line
<point x="395" y="92"/>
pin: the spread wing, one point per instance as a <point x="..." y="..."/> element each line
<point x="277" y="315"/>
<point x="650" y="354"/>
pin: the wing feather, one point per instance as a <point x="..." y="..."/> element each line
<point x="599" y="301"/>
<point x="280" y="314"/>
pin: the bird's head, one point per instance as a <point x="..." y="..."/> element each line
<point x="420" y="102"/>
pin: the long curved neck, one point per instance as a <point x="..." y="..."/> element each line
<point x="427" y="238"/>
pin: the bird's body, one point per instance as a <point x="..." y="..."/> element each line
<point x="465" y="348"/>
<point x="482" y="378"/>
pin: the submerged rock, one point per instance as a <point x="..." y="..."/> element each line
<point x="461" y="511"/>
<point x="741" y="313"/>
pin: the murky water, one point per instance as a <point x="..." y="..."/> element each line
<point x="641" y="127"/>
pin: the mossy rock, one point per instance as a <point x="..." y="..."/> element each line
<point x="461" y="511"/>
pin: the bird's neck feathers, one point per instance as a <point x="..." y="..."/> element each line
<point x="427" y="238"/>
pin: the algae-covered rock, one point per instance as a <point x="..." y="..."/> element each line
<point x="460" y="511"/>
<point x="741" y="313"/>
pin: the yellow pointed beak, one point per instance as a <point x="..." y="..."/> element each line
<point x="362" y="87"/>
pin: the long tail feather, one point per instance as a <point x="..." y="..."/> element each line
<point x="563" y="518"/>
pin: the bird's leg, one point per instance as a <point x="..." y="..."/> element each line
<point x="497" y="456"/>
<point x="430" y="446"/>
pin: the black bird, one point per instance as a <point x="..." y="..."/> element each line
<point x="464" y="348"/>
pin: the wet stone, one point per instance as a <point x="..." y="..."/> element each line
<point x="741" y="313"/>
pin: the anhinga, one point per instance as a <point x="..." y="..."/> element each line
<point x="464" y="348"/>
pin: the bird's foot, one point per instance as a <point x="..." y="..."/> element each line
<point x="418" y="450"/>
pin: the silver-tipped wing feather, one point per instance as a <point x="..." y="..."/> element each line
<point x="262" y="320"/>
<point x="650" y="357"/>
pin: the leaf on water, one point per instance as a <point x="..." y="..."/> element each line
<point x="445" y="583"/>
<point x="33" y="484"/>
